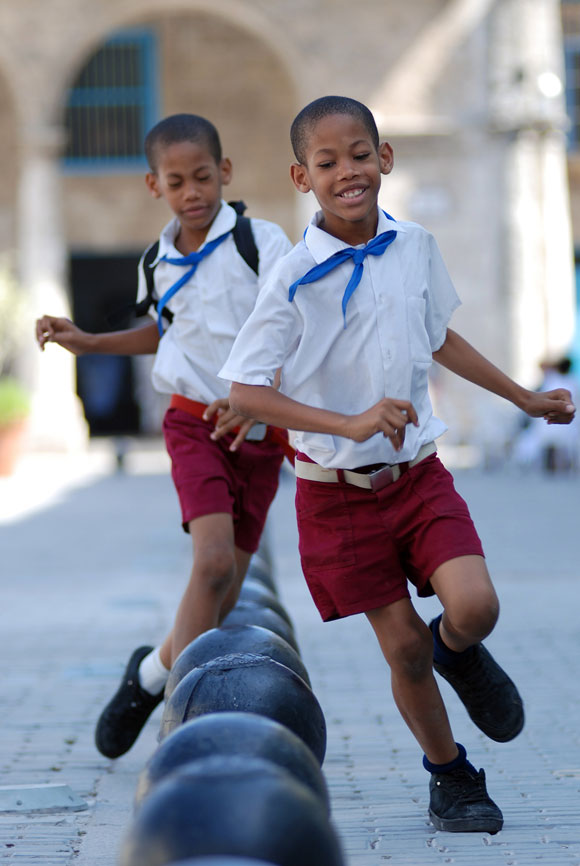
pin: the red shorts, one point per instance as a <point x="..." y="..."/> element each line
<point x="209" y="479"/>
<point x="359" y="548"/>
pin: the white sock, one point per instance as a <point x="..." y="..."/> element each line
<point x="152" y="673"/>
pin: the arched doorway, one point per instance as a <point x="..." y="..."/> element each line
<point x="204" y="65"/>
<point x="195" y="62"/>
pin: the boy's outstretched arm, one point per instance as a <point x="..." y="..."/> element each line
<point x="459" y="356"/>
<point x="133" y="341"/>
<point x="266" y="404"/>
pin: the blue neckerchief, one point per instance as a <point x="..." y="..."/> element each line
<point x="192" y="259"/>
<point x="375" y="247"/>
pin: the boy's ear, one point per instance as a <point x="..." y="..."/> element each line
<point x="153" y="184"/>
<point x="386" y="158"/>
<point x="226" y="170"/>
<point x="299" y="175"/>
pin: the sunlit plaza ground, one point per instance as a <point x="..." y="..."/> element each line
<point x="93" y="562"/>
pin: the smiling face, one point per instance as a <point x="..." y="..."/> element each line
<point x="191" y="181"/>
<point x="343" y="169"/>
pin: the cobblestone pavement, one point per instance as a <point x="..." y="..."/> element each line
<point x="92" y="564"/>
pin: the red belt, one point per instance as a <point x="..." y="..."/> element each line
<point x="273" y="434"/>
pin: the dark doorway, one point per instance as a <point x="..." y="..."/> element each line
<point x="104" y="287"/>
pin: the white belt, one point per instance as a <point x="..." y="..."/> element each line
<point x="375" y="480"/>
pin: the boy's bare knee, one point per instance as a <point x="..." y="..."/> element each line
<point x="474" y="620"/>
<point x="215" y="570"/>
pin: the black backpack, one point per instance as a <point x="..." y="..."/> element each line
<point x="245" y="244"/>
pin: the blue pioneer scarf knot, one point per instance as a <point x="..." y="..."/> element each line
<point x="193" y="260"/>
<point x="375" y="247"/>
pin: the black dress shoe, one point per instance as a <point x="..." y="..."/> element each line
<point x="123" y="718"/>
<point x="488" y="694"/>
<point x="459" y="802"/>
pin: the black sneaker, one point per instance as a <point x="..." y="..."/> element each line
<point x="121" y="721"/>
<point x="459" y="802"/>
<point x="488" y="694"/>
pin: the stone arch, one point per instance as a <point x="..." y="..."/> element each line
<point x="237" y="13"/>
<point x="220" y="63"/>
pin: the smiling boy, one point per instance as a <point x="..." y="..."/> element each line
<point x="354" y="316"/>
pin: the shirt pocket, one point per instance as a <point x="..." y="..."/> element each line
<point x="326" y="537"/>
<point x="419" y="344"/>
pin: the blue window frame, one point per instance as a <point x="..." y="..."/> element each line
<point x="112" y="104"/>
<point x="574" y="352"/>
<point x="572" y="58"/>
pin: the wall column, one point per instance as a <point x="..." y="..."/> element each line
<point x="527" y="106"/>
<point x="56" y="421"/>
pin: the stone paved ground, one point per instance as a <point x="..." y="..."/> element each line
<point x="97" y="568"/>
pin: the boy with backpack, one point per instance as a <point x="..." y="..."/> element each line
<point x="200" y="281"/>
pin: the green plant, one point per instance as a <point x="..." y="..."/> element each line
<point x="14" y="328"/>
<point x="14" y="401"/>
<point x="15" y="322"/>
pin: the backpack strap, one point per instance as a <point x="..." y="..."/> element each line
<point x="245" y="244"/>
<point x="142" y="308"/>
<point x="244" y="237"/>
<point x="118" y="317"/>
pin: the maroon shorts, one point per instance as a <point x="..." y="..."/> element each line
<point x="359" y="548"/>
<point x="209" y="479"/>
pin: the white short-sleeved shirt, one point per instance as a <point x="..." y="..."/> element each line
<point x="396" y="318"/>
<point x="209" y="310"/>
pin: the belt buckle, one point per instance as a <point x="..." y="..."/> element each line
<point x="381" y="478"/>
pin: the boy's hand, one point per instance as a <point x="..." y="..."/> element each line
<point x="555" y="407"/>
<point x="389" y="417"/>
<point x="226" y="421"/>
<point x="50" y="329"/>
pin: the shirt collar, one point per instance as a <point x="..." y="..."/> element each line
<point x="321" y="245"/>
<point x="224" y="221"/>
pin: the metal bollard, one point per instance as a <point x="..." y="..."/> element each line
<point x="234" y="639"/>
<point x="250" y="613"/>
<point x="248" y="683"/>
<point x="256" y="592"/>
<point x="232" y="805"/>
<point x="242" y="734"/>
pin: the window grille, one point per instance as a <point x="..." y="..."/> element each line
<point x="112" y="104"/>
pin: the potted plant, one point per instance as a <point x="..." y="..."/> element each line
<point x="14" y="408"/>
<point x="14" y="398"/>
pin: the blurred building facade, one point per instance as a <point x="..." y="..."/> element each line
<point x="470" y="93"/>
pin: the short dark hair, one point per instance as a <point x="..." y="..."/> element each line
<point x="181" y="127"/>
<point x="305" y="121"/>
